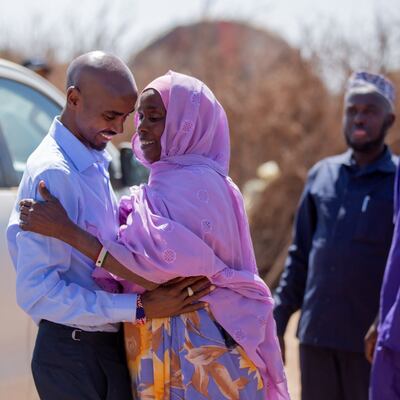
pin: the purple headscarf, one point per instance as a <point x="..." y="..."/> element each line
<point x="196" y="128"/>
<point x="389" y="324"/>
<point x="190" y="221"/>
<point x="162" y="85"/>
<point x="385" y="372"/>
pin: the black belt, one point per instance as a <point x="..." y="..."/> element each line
<point x="79" y="335"/>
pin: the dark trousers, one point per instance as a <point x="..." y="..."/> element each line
<point x="76" y="365"/>
<point x="328" y="374"/>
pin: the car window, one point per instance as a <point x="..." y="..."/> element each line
<point x="25" y="117"/>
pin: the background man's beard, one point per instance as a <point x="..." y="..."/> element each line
<point x="367" y="146"/>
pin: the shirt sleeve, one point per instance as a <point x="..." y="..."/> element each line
<point x="41" y="262"/>
<point x="290" y="292"/>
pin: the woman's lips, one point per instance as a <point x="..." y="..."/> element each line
<point x="146" y="143"/>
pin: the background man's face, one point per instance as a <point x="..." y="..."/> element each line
<point x="365" y="121"/>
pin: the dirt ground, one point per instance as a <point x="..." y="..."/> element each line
<point x="292" y="358"/>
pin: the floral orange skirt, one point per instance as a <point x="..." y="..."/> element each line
<point x="189" y="357"/>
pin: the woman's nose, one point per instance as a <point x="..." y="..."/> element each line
<point x="141" y="125"/>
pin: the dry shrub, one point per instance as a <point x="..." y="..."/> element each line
<point x="393" y="137"/>
<point x="271" y="224"/>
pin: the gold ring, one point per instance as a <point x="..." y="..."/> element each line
<point x="190" y="291"/>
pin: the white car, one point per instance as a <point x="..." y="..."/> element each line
<point x="28" y="104"/>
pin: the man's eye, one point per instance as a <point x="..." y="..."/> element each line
<point x="108" y="117"/>
<point x="351" y="111"/>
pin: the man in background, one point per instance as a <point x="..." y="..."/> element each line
<point x="342" y="235"/>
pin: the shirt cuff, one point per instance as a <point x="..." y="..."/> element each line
<point x="124" y="307"/>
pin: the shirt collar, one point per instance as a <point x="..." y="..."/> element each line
<point x="80" y="155"/>
<point x="384" y="162"/>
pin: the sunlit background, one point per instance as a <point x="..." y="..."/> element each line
<point x="61" y="29"/>
<point x="278" y="67"/>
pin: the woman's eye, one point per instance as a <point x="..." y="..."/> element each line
<point x="155" y="118"/>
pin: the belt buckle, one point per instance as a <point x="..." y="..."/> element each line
<point x="74" y="335"/>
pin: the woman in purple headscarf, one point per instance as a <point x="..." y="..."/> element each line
<point x="385" y="374"/>
<point x="190" y="221"/>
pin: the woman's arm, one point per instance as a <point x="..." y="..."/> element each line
<point x="90" y="246"/>
<point x="49" y="218"/>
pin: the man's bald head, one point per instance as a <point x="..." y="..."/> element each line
<point x="101" y="94"/>
<point x="99" y="68"/>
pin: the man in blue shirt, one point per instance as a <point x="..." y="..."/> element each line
<point x="79" y="352"/>
<point x="342" y="236"/>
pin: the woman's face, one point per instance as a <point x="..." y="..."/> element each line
<point x="152" y="115"/>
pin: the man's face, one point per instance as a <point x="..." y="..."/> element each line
<point x="100" y="114"/>
<point x="366" y="120"/>
<point x="151" y="124"/>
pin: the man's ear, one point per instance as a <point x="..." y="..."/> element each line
<point x="389" y="120"/>
<point x="73" y="96"/>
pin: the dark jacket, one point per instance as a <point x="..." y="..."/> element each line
<point x="335" y="265"/>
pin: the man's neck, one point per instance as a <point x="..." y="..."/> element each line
<point x="69" y="124"/>
<point x="66" y="121"/>
<point x="363" y="159"/>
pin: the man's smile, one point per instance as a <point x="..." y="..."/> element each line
<point x="107" y="135"/>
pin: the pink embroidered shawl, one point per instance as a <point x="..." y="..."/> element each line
<point x="189" y="220"/>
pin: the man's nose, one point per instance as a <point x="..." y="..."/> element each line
<point x="359" y="118"/>
<point x="118" y="125"/>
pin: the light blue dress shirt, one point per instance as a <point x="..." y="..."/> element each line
<point x="54" y="280"/>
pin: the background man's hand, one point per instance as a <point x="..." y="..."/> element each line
<point x="370" y="342"/>
<point x="173" y="298"/>
<point x="283" y="348"/>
